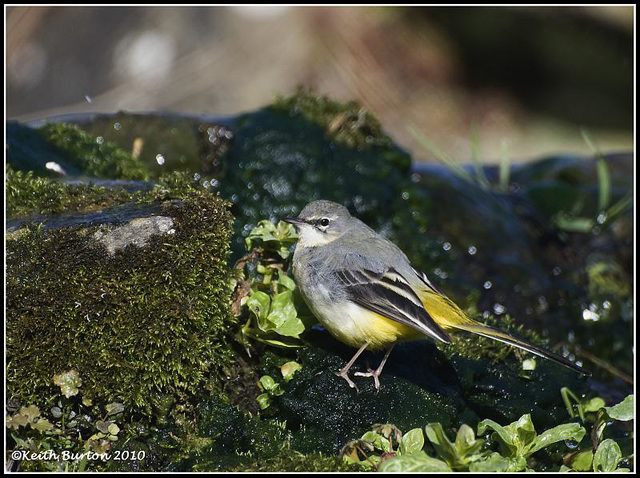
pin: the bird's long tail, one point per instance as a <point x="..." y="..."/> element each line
<point x="449" y="316"/>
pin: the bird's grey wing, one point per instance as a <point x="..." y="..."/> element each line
<point x="389" y="294"/>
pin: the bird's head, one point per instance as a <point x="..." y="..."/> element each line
<point x="320" y="222"/>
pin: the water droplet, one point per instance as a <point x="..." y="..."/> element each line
<point x="499" y="309"/>
<point x="405" y="195"/>
<point x="446" y="246"/>
<point x="99" y="140"/>
<point x="196" y="177"/>
<point x="117" y="126"/>
<point x="415" y="177"/>
<point x="472" y="250"/>
<point x="487" y="285"/>
<point x="88" y="99"/>
<point x="606" y="304"/>
<point x="556" y="271"/>
<point x="590" y="315"/>
<point x="159" y="159"/>
<point x="602" y="218"/>
<point x="53" y="166"/>
<point x="571" y="444"/>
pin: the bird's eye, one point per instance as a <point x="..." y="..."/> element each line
<point x="324" y="222"/>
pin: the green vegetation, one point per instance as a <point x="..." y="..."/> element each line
<point x="28" y="194"/>
<point x="71" y="149"/>
<point x="265" y="291"/>
<point x="348" y="124"/>
<point x="75" y="435"/>
<point x="386" y="449"/>
<point x="143" y="323"/>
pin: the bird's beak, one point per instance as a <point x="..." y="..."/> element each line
<point x="294" y="220"/>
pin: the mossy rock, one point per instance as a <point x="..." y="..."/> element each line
<point x="60" y="149"/>
<point x="305" y="148"/>
<point x="134" y="297"/>
<point x="322" y="412"/>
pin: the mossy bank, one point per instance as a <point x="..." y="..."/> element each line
<point x="134" y="296"/>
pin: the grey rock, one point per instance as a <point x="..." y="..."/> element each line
<point x="136" y="232"/>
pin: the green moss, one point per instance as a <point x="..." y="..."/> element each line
<point x="348" y="124"/>
<point x="28" y="194"/>
<point x="477" y="347"/>
<point x="92" y="155"/>
<point x="72" y="149"/>
<point x="138" y="325"/>
<point x="285" y="156"/>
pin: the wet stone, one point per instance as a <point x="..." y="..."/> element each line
<point x="136" y="232"/>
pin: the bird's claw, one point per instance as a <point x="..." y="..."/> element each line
<point x="371" y="373"/>
<point x="343" y="374"/>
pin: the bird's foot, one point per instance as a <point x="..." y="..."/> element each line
<point x="342" y="373"/>
<point x="371" y="373"/>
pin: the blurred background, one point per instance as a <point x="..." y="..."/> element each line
<point x="474" y="81"/>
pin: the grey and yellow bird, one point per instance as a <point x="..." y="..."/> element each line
<point x="364" y="291"/>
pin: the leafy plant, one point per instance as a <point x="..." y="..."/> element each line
<point x="386" y="449"/>
<point x="603" y="455"/>
<point x="265" y="293"/>
<point x="577" y="407"/>
<point x="460" y="453"/>
<point x="69" y="434"/>
<point x="519" y="440"/>
<point x="382" y="442"/>
<point x="271" y="388"/>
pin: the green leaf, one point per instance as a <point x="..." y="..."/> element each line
<point x="506" y="435"/>
<point x="291" y="328"/>
<point x="30" y="413"/>
<point x="102" y="426"/>
<point x="377" y="440"/>
<point x="258" y="303"/>
<point x="582" y="461"/>
<point x="69" y="382"/>
<point x="607" y="456"/>
<point x="286" y="281"/>
<point x="16" y="421"/>
<point x="113" y="429"/>
<point x="623" y="411"/>
<point x="283" y="315"/>
<point x="467" y="444"/>
<point x="494" y="462"/>
<point x="568" y="431"/>
<point x="281" y="342"/>
<point x="267" y="383"/>
<point x="264" y="400"/>
<point x="114" y="408"/>
<point x="414" y="462"/>
<point x="525" y="432"/>
<point x="282" y="308"/>
<point x="593" y="405"/>
<point x="42" y="425"/>
<point x="411" y="442"/>
<point x="573" y="224"/>
<point x="444" y="448"/>
<point x="289" y="369"/>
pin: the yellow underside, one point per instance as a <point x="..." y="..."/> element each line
<point x="381" y="332"/>
<point x="376" y="329"/>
